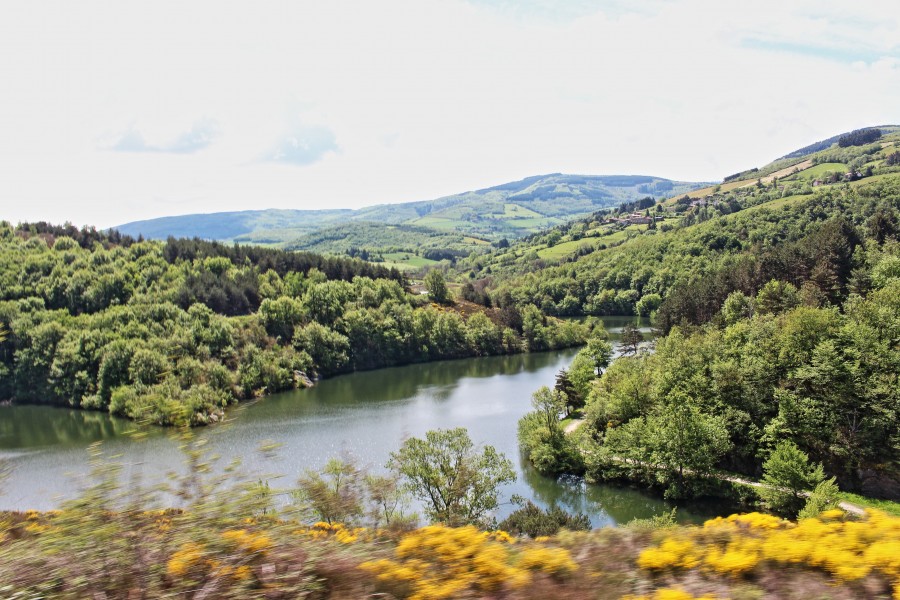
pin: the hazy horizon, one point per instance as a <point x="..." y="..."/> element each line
<point x="114" y="113"/>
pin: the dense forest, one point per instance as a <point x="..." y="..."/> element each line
<point x="780" y="317"/>
<point x="174" y="332"/>
<point x="699" y="249"/>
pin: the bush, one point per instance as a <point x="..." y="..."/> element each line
<point x="530" y="520"/>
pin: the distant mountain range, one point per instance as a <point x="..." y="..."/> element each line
<point x="510" y="210"/>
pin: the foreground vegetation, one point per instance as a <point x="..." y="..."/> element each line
<point x="343" y="533"/>
<point x="214" y="549"/>
<point x="173" y="332"/>
<point x="780" y="307"/>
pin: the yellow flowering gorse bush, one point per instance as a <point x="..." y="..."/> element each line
<point x="848" y="550"/>
<point x="438" y="562"/>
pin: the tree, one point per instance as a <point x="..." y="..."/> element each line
<point x="549" y="404"/>
<point x="787" y="476"/>
<point x="387" y="501"/>
<point x="686" y="442"/>
<point x="530" y="520"/>
<point x="631" y="338"/>
<point x="599" y="350"/>
<point x="824" y="497"/>
<point x="458" y="484"/>
<point x="737" y="306"/>
<point x="437" y="287"/>
<point x="566" y="389"/>
<point x="648" y="303"/>
<point x="333" y="495"/>
<point x="777" y="297"/>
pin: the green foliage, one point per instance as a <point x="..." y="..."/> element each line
<point x="334" y="495"/>
<point x="663" y="521"/>
<point x="174" y="332"/>
<point x="777" y="297"/>
<point x="823" y="379"/>
<point x="566" y="388"/>
<point x="824" y="497"/>
<point x="437" y="287"/>
<point x="787" y="475"/>
<point x="459" y="484"/>
<point x="542" y="438"/>
<point x="599" y="351"/>
<point x="530" y="520"/>
<point x="686" y="443"/>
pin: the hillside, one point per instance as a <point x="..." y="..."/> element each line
<point x="509" y="210"/>
<point x="613" y="239"/>
<point x="777" y="297"/>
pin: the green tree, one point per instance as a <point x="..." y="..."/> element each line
<point x="330" y="350"/>
<point x="648" y="303"/>
<point x="787" y="476"/>
<point x="458" y="484"/>
<point x="387" y="502"/>
<point x="631" y="338"/>
<point x="437" y="287"/>
<point x="777" y="297"/>
<point x="686" y="442"/>
<point x="824" y="497"/>
<point x="530" y="520"/>
<point x="334" y="494"/>
<point x="549" y="405"/>
<point x="600" y="351"/>
<point x="564" y="386"/>
<point x="737" y="306"/>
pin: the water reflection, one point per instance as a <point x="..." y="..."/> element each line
<point x="364" y="414"/>
<point x="40" y="426"/>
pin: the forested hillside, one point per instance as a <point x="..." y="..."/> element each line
<point x="172" y="332"/>
<point x="780" y="305"/>
<point x="697" y="249"/>
<point x="509" y="210"/>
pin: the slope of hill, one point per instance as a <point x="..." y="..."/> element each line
<point x="509" y="210"/>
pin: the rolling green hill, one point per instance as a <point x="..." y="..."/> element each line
<point x="510" y="210"/>
<point x="766" y="223"/>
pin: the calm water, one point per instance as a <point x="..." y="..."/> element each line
<point x="366" y="415"/>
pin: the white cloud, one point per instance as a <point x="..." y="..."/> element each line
<point x="199" y="136"/>
<point x="353" y="103"/>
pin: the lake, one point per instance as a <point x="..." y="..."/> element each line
<point x="365" y="415"/>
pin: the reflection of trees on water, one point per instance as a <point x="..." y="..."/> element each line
<point x="610" y="503"/>
<point x="37" y="426"/>
<point x="437" y="379"/>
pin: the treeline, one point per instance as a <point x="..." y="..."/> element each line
<point x="767" y="370"/>
<point x="85" y="236"/>
<point x="859" y="137"/>
<point x="279" y="261"/>
<point x="811" y="242"/>
<point x="174" y="332"/>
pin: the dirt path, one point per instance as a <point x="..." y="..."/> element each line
<point x="802" y="166"/>
<point x="573" y="425"/>
<point x="853" y="509"/>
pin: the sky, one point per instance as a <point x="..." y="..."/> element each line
<point x="114" y="111"/>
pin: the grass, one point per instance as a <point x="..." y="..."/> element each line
<point x="514" y="211"/>
<point x="888" y="506"/>
<point x="476" y="241"/>
<point x="725" y="187"/>
<point x="567" y="248"/>
<point x="777" y="203"/>
<point x="564" y="249"/>
<point x="819" y="170"/>
<point x="406" y="261"/>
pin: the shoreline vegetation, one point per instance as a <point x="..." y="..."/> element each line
<point x="343" y="533"/>
<point x="172" y="333"/>
<point x="777" y="301"/>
